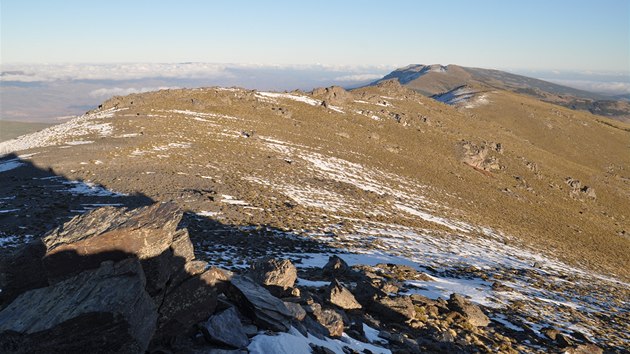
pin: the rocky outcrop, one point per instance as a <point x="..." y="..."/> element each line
<point x="478" y="156"/>
<point x="332" y="95"/>
<point x="110" y="278"/>
<point x="578" y="191"/>
<point x="102" y="310"/>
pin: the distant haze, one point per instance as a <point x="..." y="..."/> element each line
<point x="47" y="92"/>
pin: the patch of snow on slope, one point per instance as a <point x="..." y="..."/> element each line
<point x="202" y="114"/>
<point x="455" y="96"/>
<point x="87" y="124"/>
<point x="228" y="199"/>
<point x="293" y="342"/>
<point x="479" y="291"/>
<point x="298" y="98"/>
<point x="11" y="164"/>
<point x="265" y="96"/>
<point x="432" y="218"/>
<point x="89" y="189"/>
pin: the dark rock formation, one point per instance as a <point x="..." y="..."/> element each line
<point x="226" y="328"/>
<point x="255" y="302"/>
<point x="335" y="266"/>
<point x="101" y="310"/>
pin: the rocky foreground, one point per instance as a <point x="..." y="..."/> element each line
<point x="116" y="280"/>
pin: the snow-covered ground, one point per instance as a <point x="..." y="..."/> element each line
<point x="66" y="133"/>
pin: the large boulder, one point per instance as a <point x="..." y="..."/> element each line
<point x="193" y="301"/>
<point x="183" y="290"/>
<point x="278" y="276"/>
<point x="470" y="311"/>
<point x="113" y="234"/>
<point x="102" y="310"/>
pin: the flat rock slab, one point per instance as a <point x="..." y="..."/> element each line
<point x="256" y="302"/>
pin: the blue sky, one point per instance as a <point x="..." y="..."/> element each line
<point x="533" y="34"/>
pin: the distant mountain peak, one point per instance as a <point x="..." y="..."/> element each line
<point x="437" y="80"/>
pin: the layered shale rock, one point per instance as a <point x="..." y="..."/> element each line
<point x="112" y="278"/>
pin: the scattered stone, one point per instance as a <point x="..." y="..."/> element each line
<point x="297" y="311"/>
<point x="470" y="311"/>
<point x="335" y="266"/>
<point x="339" y="296"/>
<point x="585" y="349"/>
<point x="226" y="328"/>
<point x="394" y="309"/>
<point x="550" y="332"/>
<point x="578" y="191"/>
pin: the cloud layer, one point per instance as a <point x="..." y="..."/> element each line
<point x="120" y="91"/>
<point x="136" y="71"/>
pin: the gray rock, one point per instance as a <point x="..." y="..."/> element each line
<point x="102" y="310"/>
<point x="226" y="328"/>
<point x="335" y="266"/>
<point x="278" y="276"/>
<point x="256" y="302"/>
<point x="296" y="310"/>
<point x="188" y="304"/>
<point x="470" y="311"/>
<point x="395" y="309"/>
<point x="331" y="320"/>
<point x="114" y="234"/>
<point x="339" y="296"/>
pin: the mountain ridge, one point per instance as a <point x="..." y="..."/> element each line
<point x="438" y="79"/>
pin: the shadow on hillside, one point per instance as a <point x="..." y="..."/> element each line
<point x="34" y="201"/>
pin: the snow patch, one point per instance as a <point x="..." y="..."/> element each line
<point x="10" y="165"/>
<point x="87" y="124"/>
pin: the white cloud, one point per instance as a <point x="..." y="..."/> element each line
<point x="119" y="91"/>
<point x="612" y="87"/>
<point x="359" y="77"/>
<point x="53" y="72"/>
<point x="135" y="71"/>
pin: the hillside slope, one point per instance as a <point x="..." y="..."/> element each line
<point x="501" y="188"/>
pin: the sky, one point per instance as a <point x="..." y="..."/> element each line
<point x="577" y="35"/>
